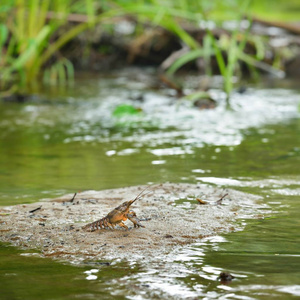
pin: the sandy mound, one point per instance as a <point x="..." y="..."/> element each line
<point x="170" y="213"/>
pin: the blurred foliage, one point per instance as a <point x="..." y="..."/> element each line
<point x="279" y="10"/>
<point x="125" y="110"/>
<point x="29" y="39"/>
<point x="33" y="31"/>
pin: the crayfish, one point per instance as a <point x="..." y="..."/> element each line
<point x="117" y="216"/>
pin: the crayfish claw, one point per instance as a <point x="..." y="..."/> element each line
<point x="134" y="219"/>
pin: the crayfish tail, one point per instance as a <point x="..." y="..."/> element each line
<point x="99" y="224"/>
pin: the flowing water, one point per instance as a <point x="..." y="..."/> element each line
<point x="116" y="131"/>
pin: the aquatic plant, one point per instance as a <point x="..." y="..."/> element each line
<point x="35" y="30"/>
<point x="30" y="40"/>
<point x="33" y="34"/>
<point x="232" y="44"/>
<point x="228" y="49"/>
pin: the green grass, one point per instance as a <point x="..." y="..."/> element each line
<point x="279" y="10"/>
<point x="30" y="42"/>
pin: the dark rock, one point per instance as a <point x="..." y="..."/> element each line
<point x="292" y="67"/>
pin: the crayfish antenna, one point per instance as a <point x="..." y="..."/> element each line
<point x="140" y="195"/>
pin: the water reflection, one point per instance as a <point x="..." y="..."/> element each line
<point x="192" y="272"/>
<point x="91" y="274"/>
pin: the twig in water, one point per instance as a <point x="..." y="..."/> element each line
<point x="70" y="201"/>
<point x="34" y="210"/>
<point x="219" y="202"/>
<point x="73" y="197"/>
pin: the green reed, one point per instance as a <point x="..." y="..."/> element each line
<point x="30" y="41"/>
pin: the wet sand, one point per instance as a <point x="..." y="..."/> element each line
<point x="170" y="213"/>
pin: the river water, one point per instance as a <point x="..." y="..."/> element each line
<point x="115" y="131"/>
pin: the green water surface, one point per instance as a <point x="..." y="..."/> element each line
<point x="37" y="162"/>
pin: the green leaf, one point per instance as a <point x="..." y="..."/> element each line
<point x="3" y="34"/>
<point x="125" y="110"/>
<point x="32" y="49"/>
<point x="184" y="59"/>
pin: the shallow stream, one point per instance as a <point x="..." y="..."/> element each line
<point x="115" y="131"/>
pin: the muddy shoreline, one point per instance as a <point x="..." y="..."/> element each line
<point x="170" y="213"/>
